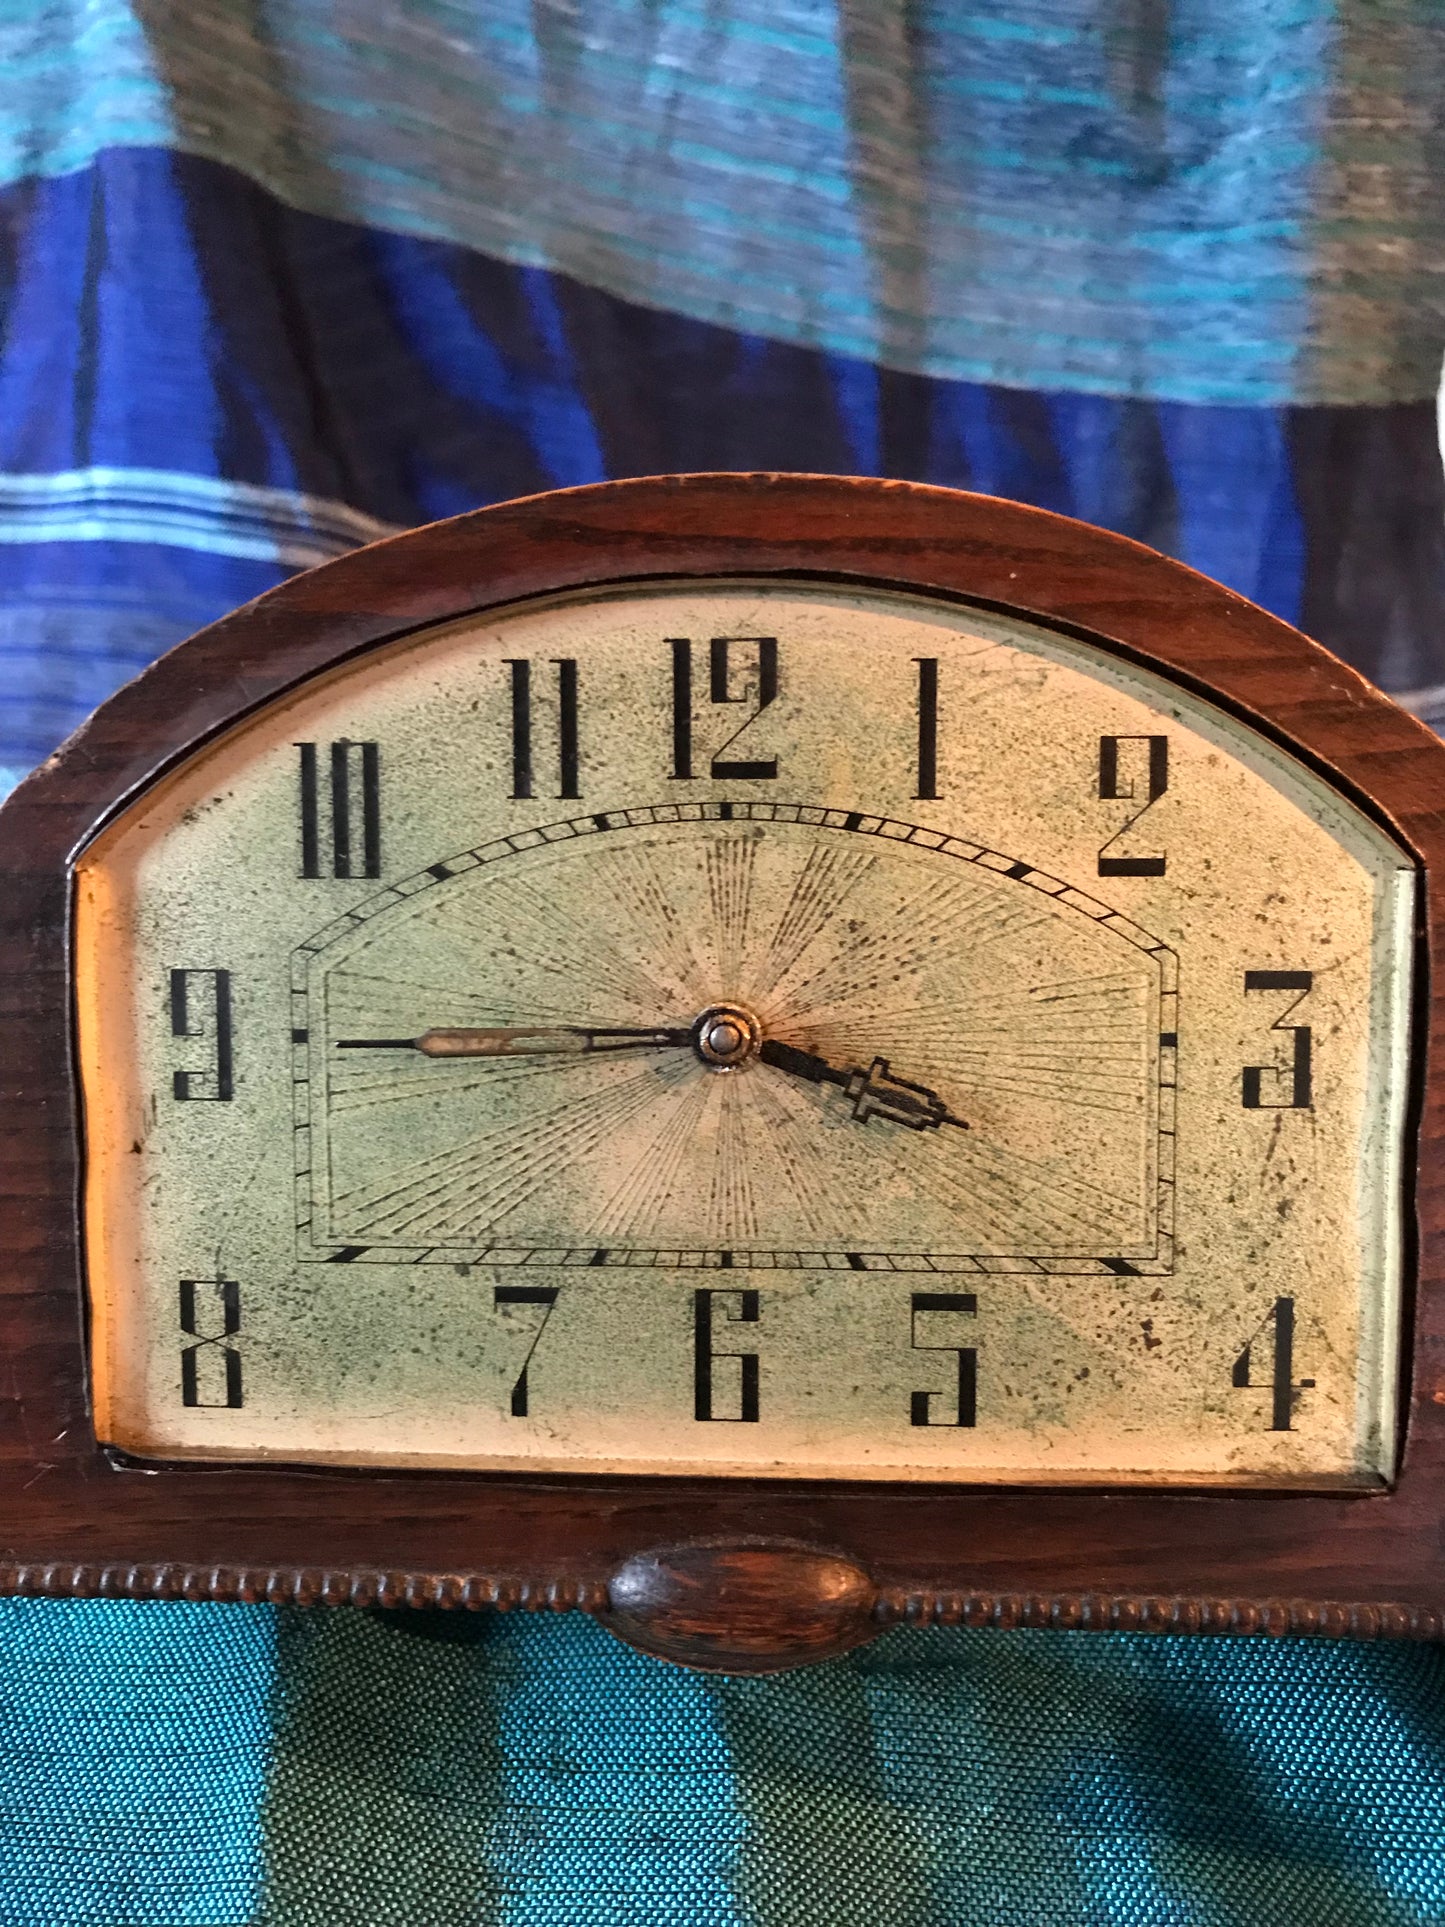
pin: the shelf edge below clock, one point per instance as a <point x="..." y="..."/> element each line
<point x="736" y="1574"/>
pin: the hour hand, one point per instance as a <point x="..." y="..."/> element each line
<point x="875" y="1092"/>
<point x="561" y="1040"/>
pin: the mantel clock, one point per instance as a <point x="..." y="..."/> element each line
<point x="751" y="1054"/>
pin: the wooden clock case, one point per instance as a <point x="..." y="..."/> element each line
<point x="736" y="1575"/>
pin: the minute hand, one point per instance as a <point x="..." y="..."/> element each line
<point x="563" y="1040"/>
<point x="875" y="1092"/>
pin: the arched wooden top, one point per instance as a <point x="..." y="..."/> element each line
<point x="928" y="539"/>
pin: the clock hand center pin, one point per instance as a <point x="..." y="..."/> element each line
<point x="727" y="1036"/>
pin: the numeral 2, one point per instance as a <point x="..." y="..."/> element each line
<point x="1280" y="1319"/>
<point x="1122" y="779"/>
<point x="1282" y="1087"/>
<point x="546" y="1297"/>
<point x="925" y="1303"/>
<point x="523" y="772"/>
<point x="211" y="990"/>
<point x="756" y="682"/>
<point x="354" y="796"/>
<point x="211" y="1365"/>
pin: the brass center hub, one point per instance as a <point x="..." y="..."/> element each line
<point x="726" y="1036"/>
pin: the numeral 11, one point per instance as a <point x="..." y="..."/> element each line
<point x="523" y="772"/>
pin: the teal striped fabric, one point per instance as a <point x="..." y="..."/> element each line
<point x="1209" y="200"/>
<point x="136" y="1742"/>
<point x="245" y="1768"/>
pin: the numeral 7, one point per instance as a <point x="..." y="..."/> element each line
<point x="546" y="1297"/>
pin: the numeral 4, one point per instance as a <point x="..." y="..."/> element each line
<point x="1279" y="1321"/>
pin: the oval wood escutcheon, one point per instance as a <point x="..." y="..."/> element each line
<point x="741" y="1606"/>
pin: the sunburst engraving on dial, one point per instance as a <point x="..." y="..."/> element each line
<point x="933" y="1056"/>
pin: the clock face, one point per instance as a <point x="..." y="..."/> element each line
<point x="753" y="1028"/>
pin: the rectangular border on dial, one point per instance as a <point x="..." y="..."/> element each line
<point x="309" y="1095"/>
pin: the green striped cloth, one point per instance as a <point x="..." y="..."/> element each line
<point x="172" y="1764"/>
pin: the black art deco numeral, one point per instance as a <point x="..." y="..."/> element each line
<point x="201" y="1008"/>
<point x="1289" y="1086"/>
<point x="739" y="1308"/>
<point x="1279" y="1320"/>
<point x="1132" y="768"/>
<point x="925" y="1304"/>
<point x="523" y="766"/>
<point x="546" y="1297"/>
<point x="750" y="677"/>
<point x="927" y="790"/>
<point x="353" y="804"/>
<point x="210" y="1368"/>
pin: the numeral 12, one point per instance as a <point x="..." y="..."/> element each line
<point x="756" y="682"/>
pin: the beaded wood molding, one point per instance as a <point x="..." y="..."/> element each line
<point x="633" y="1608"/>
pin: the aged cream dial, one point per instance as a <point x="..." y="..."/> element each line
<point x="756" y="1027"/>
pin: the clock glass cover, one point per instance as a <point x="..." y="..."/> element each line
<point x="752" y="1028"/>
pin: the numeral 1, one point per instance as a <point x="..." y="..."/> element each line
<point x="923" y="1304"/>
<point x="1121" y="780"/>
<point x="754" y="682"/>
<point x="211" y="1365"/>
<point x="211" y="989"/>
<point x="354" y="797"/>
<point x="546" y="1297"/>
<point x="1282" y="1087"/>
<point x="927" y="790"/>
<point x="743" y="1310"/>
<point x="567" y="738"/>
<point x="1280" y="1318"/>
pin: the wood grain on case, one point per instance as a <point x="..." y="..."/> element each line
<point x="741" y="1608"/>
<point x="71" y="1520"/>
